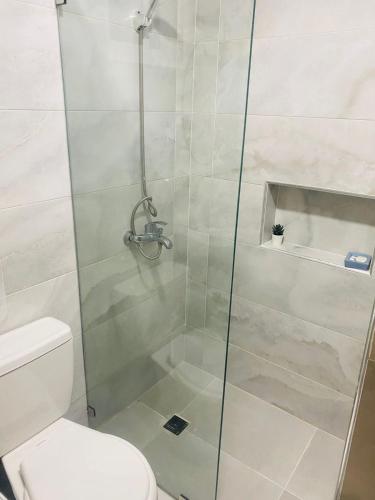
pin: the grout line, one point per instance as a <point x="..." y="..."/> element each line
<point x="342" y="441"/>
<point x="258" y="473"/>
<point x="151" y="294"/>
<point x="310" y="117"/>
<point x="126" y="23"/>
<point x="199" y="393"/>
<point x="32" y="4"/>
<point x="65" y="197"/>
<point x="249" y="394"/>
<point x="187" y="301"/>
<point x="301" y="457"/>
<point x="317" y="34"/>
<point x="124" y="186"/>
<point x="175" y="116"/>
<point x="363" y="274"/>
<point x="202" y="391"/>
<point x="212" y="146"/>
<point x="182" y="379"/>
<point x="41" y="283"/>
<point x="274" y="407"/>
<point x="207" y="443"/>
<point x="33" y="110"/>
<point x="295" y="317"/>
<point x="212" y="336"/>
<point x="249" y="115"/>
<point x="288" y="370"/>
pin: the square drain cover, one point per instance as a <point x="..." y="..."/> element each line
<point x="176" y="425"/>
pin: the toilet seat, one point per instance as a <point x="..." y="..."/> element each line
<point x="73" y="462"/>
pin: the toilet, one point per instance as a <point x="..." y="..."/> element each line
<point x="47" y="457"/>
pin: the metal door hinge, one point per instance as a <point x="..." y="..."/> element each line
<point x="91" y="412"/>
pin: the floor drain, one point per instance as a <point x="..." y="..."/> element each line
<point x="176" y="425"/>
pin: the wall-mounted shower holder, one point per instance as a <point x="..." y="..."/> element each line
<point x="140" y="21"/>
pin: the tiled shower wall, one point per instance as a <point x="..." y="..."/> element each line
<point x="37" y="256"/>
<point x="132" y="308"/>
<point x="298" y="326"/>
<point x="222" y="46"/>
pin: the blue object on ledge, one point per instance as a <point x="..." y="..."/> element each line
<point x="357" y="260"/>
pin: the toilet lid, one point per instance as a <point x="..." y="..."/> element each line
<point x="81" y="464"/>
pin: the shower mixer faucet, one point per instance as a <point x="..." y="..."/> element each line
<point x="153" y="233"/>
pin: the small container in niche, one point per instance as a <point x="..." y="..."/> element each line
<point x="357" y="260"/>
<point x="277" y="235"/>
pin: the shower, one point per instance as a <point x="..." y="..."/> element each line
<point x="153" y="230"/>
<point x="228" y="350"/>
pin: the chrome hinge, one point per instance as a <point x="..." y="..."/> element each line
<point x="91" y="412"/>
<point x="60" y="2"/>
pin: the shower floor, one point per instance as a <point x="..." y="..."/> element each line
<point x="267" y="454"/>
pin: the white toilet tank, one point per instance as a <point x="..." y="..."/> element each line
<point x="36" y="378"/>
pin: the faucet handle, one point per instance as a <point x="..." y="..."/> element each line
<point x="155" y="226"/>
<point x="158" y="224"/>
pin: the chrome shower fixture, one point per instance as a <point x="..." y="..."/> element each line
<point x="143" y="21"/>
<point x="153" y="233"/>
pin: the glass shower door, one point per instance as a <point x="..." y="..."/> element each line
<point x="301" y="315"/>
<point x="155" y="331"/>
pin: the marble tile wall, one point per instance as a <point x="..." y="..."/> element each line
<point x="219" y="72"/>
<point x="298" y="327"/>
<point x="38" y="274"/>
<point x="131" y="307"/>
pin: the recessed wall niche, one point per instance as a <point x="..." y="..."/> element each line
<point x="320" y="225"/>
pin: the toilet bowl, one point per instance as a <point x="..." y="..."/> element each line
<point x="46" y="456"/>
<point x="69" y="461"/>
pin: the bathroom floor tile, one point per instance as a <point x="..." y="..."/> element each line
<point x="316" y="475"/>
<point x="242" y="483"/>
<point x="288" y="496"/>
<point x="138" y="424"/>
<point x="305" y="399"/>
<point x="267" y="439"/>
<point x="176" y="390"/>
<point x="183" y="464"/>
<point x="204" y="412"/>
<point x="261" y="445"/>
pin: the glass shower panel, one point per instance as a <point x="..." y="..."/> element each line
<point x="300" y="318"/>
<point x="155" y="331"/>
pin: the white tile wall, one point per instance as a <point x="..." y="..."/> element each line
<point x="37" y="258"/>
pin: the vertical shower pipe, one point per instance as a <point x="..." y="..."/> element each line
<point x="141" y="29"/>
<point x="148" y="201"/>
